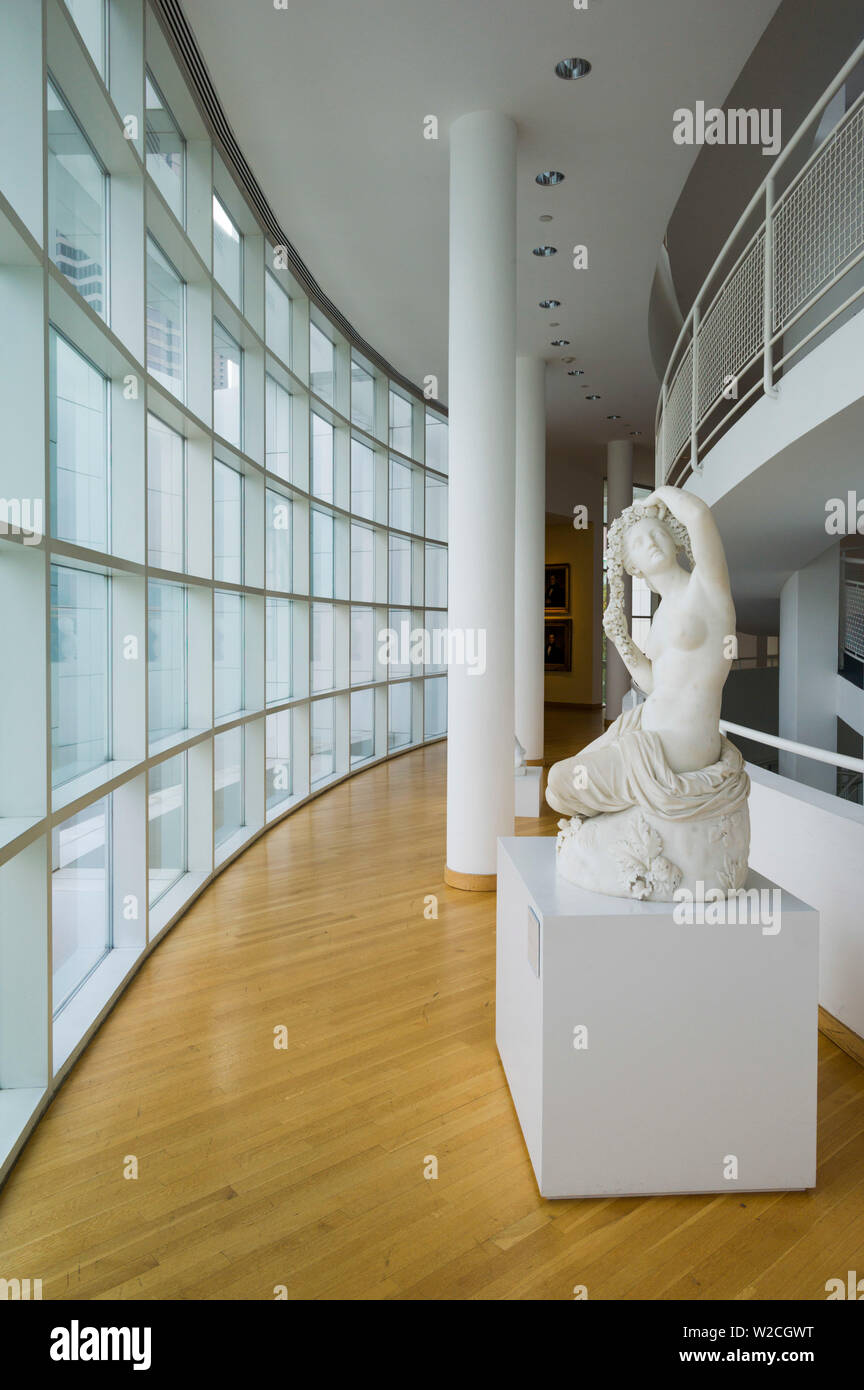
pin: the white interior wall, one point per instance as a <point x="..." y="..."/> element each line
<point x="812" y="844"/>
<point x="809" y="606"/>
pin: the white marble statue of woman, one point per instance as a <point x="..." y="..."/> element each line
<point x="659" y="801"/>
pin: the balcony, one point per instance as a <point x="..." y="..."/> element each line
<point x="789" y="275"/>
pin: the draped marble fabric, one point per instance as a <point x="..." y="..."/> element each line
<point x="626" y="766"/>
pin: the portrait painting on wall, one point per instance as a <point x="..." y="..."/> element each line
<point x="558" y="645"/>
<point x="557" y="588"/>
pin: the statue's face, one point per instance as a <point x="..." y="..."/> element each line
<point x="648" y="548"/>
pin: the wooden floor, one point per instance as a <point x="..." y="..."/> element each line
<point x="304" y="1166"/>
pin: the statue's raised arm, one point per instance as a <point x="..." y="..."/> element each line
<point x="706" y="547"/>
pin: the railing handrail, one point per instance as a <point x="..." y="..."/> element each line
<point x="788" y="745"/>
<point x="760" y="194"/>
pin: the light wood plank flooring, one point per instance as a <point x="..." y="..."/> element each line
<point x="304" y="1166"/>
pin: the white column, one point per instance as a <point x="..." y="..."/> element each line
<point x="530" y="551"/>
<point x="482" y="388"/>
<point x="619" y="495"/>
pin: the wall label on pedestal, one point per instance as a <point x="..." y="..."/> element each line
<point x="534" y="941"/>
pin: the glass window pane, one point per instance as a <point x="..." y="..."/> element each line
<point x="322" y="364"/>
<point x="227" y="252"/>
<point x="279" y="541"/>
<point x="362" y="562"/>
<point x="401" y="477"/>
<point x="323" y="734"/>
<point x="80" y="898"/>
<point x="436" y="576"/>
<point x="166" y="317"/>
<point x="641" y="597"/>
<point x="401" y="413"/>
<point x="227" y="523"/>
<point x="641" y="622"/>
<point x="278" y="429"/>
<point x="322" y="554"/>
<point x="322" y="458"/>
<point x="362" y="479"/>
<point x="166" y="496"/>
<point x="227" y="385"/>
<point x="436" y="508"/>
<point x="435" y="707"/>
<point x="166" y="659"/>
<point x="397" y="660"/>
<point x="79" y="447"/>
<point x="436" y="626"/>
<point x="77" y="206"/>
<point x="166" y="149"/>
<point x="362" y="397"/>
<point x="279" y="768"/>
<point x="322" y="647"/>
<point x="400" y="570"/>
<point x="362" y="646"/>
<point x="228" y="811"/>
<point x="227" y="653"/>
<point x="399" y="719"/>
<point x="166" y="815"/>
<point x="89" y="17"/>
<point x="277" y="321"/>
<point x="362" y="725"/>
<point x="79" y="672"/>
<point x="280" y="647"/>
<point x="436" y="442"/>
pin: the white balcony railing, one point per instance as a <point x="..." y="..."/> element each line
<point x="731" y="347"/>
<point x="853" y="618"/>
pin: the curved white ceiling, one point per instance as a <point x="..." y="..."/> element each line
<point x="327" y="100"/>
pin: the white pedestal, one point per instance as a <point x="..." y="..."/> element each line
<point x="701" y="1040"/>
<point x="528" y="792"/>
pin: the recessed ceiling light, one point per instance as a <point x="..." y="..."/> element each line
<point x="635" y="431"/>
<point x="550" y="303"/>
<point x="571" y="68"/>
<point x="613" y="417"/>
<point x="546" y="217"/>
<point x="549" y="177"/>
<point x="560" y="342"/>
<point x="577" y="371"/>
<point x="545" y="250"/>
<point x="593" y="397"/>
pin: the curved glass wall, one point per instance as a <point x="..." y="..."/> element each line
<point x="212" y="510"/>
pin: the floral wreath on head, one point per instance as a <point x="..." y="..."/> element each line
<point x="615" y="617"/>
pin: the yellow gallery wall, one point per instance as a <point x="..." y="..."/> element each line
<point x="565" y="545"/>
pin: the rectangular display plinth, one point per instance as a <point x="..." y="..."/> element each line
<point x="647" y="1055"/>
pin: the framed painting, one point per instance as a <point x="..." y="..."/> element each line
<point x="558" y="644"/>
<point x="557" y="589"/>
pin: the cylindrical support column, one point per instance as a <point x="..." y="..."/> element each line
<point x="482" y="388"/>
<point x="530" y="551"/>
<point x="619" y="495"/>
